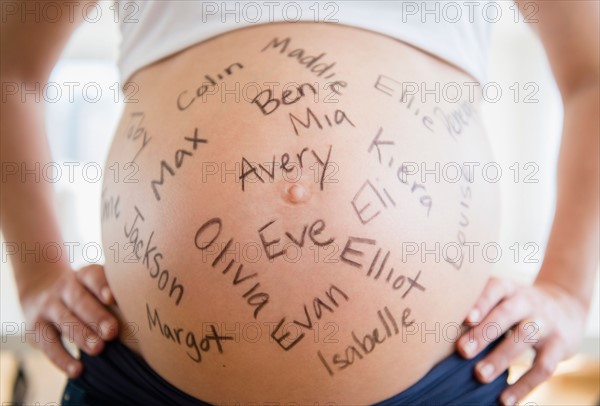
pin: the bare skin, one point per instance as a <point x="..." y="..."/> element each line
<point x="257" y="207"/>
<point x="183" y="209"/>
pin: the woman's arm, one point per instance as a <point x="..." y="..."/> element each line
<point x="557" y="304"/>
<point x="49" y="291"/>
<point x="570" y="34"/>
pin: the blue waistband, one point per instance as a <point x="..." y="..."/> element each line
<point x="118" y="377"/>
<point x="452" y="382"/>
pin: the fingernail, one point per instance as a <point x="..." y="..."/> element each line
<point x="71" y="369"/>
<point x="474" y="315"/>
<point x="508" y="400"/>
<point x="485" y="370"/>
<point x="469" y="347"/>
<point x="105" y="328"/>
<point x="105" y="293"/>
<point x="92" y="345"/>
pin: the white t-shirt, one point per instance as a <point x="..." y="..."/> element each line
<point x="456" y="31"/>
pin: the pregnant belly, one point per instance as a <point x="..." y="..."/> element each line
<point x="292" y="213"/>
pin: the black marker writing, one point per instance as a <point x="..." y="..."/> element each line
<point x="293" y="94"/>
<point x="184" y="100"/>
<point x="110" y="206"/>
<point x="180" y="155"/>
<point x="152" y="257"/>
<point x="242" y="277"/>
<point x="383" y="149"/>
<point x="364" y="344"/>
<point x="314" y="234"/>
<point x="137" y="133"/>
<point x="332" y="300"/>
<point x="353" y="255"/>
<point x="321" y="69"/>
<point x="251" y="172"/>
<point x="179" y="336"/>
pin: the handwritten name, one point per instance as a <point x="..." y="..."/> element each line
<point x="206" y="236"/>
<point x="137" y="133"/>
<point x="184" y="100"/>
<point x="258" y="172"/>
<point x="364" y="344"/>
<point x="319" y="305"/>
<point x="377" y="146"/>
<point x="314" y="231"/>
<point x="178" y="159"/>
<point x="152" y="253"/>
<point x="353" y="255"/>
<point x="178" y="335"/>
<point x="321" y="69"/>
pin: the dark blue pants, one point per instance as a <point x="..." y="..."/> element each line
<point x="120" y="377"/>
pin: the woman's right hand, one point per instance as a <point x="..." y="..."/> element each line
<point x="72" y="305"/>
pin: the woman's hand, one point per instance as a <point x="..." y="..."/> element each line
<point x="72" y="305"/>
<point x="543" y="316"/>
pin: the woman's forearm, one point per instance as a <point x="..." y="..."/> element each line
<point x="55" y="301"/>
<point x="571" y="258"/>
<point x="569" y="33"/>
<point x="27" y="212"/>
<point x="29" y="49"/>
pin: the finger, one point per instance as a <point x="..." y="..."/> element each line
<point x="546" y="360"/>
<point x="52" y="346"/>
<point x="93" y="278"/>
<point x="499" y="359"/>
<point x="495" y="290"/>
<point x="87" y="308"/>
<point x="506" y="314"/>
<point x="73" y="328"/>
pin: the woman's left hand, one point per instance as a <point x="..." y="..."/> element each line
<point x="543" y="316"/>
